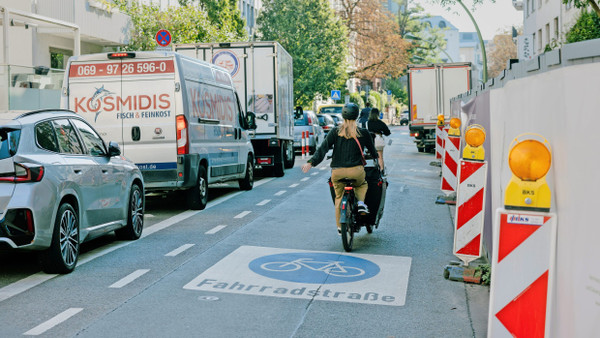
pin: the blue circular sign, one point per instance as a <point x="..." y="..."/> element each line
<point x="314" y="268"/>
<point x="163" y="38"/>
<point x="227" y="60"/>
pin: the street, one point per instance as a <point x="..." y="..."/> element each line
<point x="212" y="273"/>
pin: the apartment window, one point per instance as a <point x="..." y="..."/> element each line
<point x="556" y="28"/>
<point x="59" y="57"/>
<point x="534" y="39"/>
<point x="548" y="37"/>
<point x="539" y="39"/>
<point x="527" y="7"/>
<point x="532" y="6"/>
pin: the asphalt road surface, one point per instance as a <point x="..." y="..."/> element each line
<point x="261" y="263"/>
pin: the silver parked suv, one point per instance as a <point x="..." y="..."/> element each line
<point x="60" y="185"/>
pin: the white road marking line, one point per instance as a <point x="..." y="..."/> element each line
<point x="215" y="229"/>
<point x="294" y="185"/>
<point x="40" y="277"/>
<point x="148" y="215"/>
<point x="314" y="174"/>
<point x="279" y="193"/>
<point x="242" y="214"/>
<point x="263" y="202"/>
<point x="323" y="168"/>
<point x="52" y="322"/>
<point x="179" y="250"/>
<point x="129" y="278"/>
<point x="305" y="179"/>
<point x="24" y="285"/>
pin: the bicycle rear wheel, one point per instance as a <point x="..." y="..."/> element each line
<point x="347" y="221"/>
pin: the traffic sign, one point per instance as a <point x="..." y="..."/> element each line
<point x="163" y="38"/>
<point x="389" y="92"/>
<point x="336" y="95"/>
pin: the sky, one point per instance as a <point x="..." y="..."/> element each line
<point x="492" y="18"/>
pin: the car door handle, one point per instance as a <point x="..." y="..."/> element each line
<point x="77" y="171"/>
<point x="105" y="171"/>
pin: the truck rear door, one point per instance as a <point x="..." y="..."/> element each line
<point x="423" y="95"/>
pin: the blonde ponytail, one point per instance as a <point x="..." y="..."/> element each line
<point x="349" y="129"/>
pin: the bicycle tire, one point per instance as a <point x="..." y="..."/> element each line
<point x="347" y="220"/>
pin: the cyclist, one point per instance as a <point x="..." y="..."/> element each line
<point x="377" y="128"/>
<point x="347" y="141"/>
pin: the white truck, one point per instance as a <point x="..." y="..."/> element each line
<point x="430" y="88"/>
<point x="263" y="75"/>
<point x="177" y="118"/>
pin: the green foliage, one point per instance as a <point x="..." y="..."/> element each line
<point x="315" y="38"/>
<point x="375" y="99"/>
<point x="356" y="98"/>
<point x="187" y="24"/>
<point x="225" y="14"/>
<point x="486" y="273"/>
<point x="427" y="42"/>
<point x="398" y="90"/>
<point x="587" y="27"/>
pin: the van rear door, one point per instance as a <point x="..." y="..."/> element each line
<point x="132" y="101"/>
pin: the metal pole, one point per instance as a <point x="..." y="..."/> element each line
<point x="483" y="55"/>
<point x="5" y="26"/>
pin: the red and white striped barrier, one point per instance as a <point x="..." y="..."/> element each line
<point x="439" y="142"/>
<point x="470" y="210"/>
<point x="450" y="164"/>
<point x="522" y="274"/>
<point x="304" y="144"/>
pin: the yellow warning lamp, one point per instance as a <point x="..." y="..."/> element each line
<point x="414" y="112"/>
<point x="529" y="160"/>
<point x="454" y="129"/>
<point x="474" y="137"/>
<point x="440" y="120"/>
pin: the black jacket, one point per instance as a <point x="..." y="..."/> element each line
<point x="346" y="153"/>
<point x="377" y="127"/>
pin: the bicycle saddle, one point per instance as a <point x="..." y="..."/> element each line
<point x="347" y="180"/>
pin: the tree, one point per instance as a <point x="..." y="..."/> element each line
<point x="187" y="24"/>
<point x="377" y="49"/>
<point x="502" y="49"/>
<point x="225" y="14"/>
<point x="315" y="38"/>
<point x="587" y="27"/>
<point x="426" y="42"/>
<point x="584" y="4"/>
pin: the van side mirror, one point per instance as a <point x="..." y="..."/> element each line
<point x="251" y="120"/>
<point x="113" y="149"/>
<point x="298" y="113"/>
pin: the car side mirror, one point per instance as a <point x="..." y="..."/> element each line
<point x="298" y="113"/>
<point x="113" y="149"/>
<point x="251" y="120"/>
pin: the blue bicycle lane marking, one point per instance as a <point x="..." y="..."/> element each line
<point x="314" y="268"/>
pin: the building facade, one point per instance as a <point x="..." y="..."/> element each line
<point x="546" y="22"/>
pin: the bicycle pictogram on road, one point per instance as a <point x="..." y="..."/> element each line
<point x="316" y="268"/>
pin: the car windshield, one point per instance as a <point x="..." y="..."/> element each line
<point x="302" y="121"/>
<point x="9" y="141"/>
<point x="331" y="110"/>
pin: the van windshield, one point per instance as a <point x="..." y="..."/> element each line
<point x="9" y="141"/>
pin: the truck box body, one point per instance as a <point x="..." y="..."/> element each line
<point x="430" y="88"/>
<point x="170" y="114"/>
<point x="263" y="75"/>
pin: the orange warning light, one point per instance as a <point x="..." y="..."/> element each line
<point x="474" y="137"/>
<point x="529" y="160"/>
<point x="455" y="123"/>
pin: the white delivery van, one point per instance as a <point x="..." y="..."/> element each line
<point x="178" y="118"/>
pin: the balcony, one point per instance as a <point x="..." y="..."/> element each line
<point x="97" y="24"/>
<point x="29" y="88"/>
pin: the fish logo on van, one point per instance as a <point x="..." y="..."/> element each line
<point x="228" y="60"/>
<point x="99" y="94"/>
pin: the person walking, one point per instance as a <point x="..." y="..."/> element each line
<point x="348" y="142"/>
<point x="364" y="114"/>
<point x="378" y="128"/>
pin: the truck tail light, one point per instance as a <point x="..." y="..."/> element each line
<point x="183" y="145"/>
<point x="25" y="173"/>
<point x="415" y="134"/>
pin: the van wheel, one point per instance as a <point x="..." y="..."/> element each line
<point x="135" y="216"/>
<point x="62" y="255"/>
<point x="278" y="166"/>
<point x="197" y="196"/>
<point x="290" y="156"/>
<point x="248" y="181"/>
